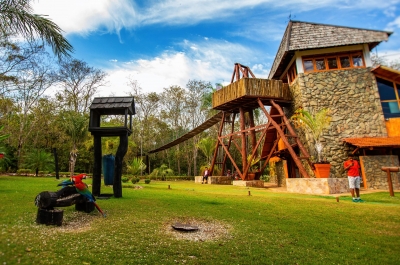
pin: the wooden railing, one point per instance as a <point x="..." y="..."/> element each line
<point x="252" y="87"/>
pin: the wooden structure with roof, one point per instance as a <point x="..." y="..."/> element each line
<point x="240" y="99"/>
<point x="110" y="106"/>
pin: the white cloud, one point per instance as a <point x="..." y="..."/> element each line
<point x="394" y="24"/>
<point x="83" y="17"/>
<point x="211" y="61"/>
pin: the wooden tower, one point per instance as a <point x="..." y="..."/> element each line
<point x="110" y="106"/>
<point x="239" y="100"/>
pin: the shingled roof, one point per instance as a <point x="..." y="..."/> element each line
<point x="305" y="35"/>
<point x="113" y="105"/>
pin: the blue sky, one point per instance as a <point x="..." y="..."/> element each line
<point x="161" y="43"/>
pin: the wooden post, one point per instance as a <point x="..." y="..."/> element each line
<point x="389" y="177"/>
<point x="243" y="151"/>
<point x="252" y="132"/>
<point x="121" y="151"/>
<point x="96" y="184"/>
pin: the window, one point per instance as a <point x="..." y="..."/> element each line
<point x="320" y="64"/>
<point x="344" y="61"/>
<point x="333" y="62"/>
<point x="357" y="60"/>
<point x="308" y="66"/>
<point x="292" y="73"/>
<point x="389" y="94"/>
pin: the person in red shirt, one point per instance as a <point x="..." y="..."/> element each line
<point x="353" y="174"/>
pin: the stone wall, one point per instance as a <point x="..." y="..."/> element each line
<point x="317" y="186"/>
<point x="374" y="176"/>
<point x="352" y="96"/>
<point x="221" y="180"/>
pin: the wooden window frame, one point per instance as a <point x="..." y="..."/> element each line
<point x="396" y="91"/>
<point x="337" y="56"/>
<point x="292" y="73"/>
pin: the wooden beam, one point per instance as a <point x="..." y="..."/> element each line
<point x="302" y="170"/>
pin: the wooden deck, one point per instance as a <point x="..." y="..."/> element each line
<point x="243" y="93"/>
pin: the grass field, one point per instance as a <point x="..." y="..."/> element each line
<point x="234" y="228"/>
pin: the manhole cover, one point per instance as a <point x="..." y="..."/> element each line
<point x="185" y="227"/>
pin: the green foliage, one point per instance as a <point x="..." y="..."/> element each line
<point x="207" y="146"/>
<point x="253" y="163"/>
<point x="147" y="181"/>
<point x="39" y="160"/>
<point x="24" y="171"/>
<point x="135" y="180"/>
<point x="136" y="166"/>
<point x="124" y="179"/>
<point x="315" y="124"/>
<point x="16" y="18"/>
<point x="162" y="172"/>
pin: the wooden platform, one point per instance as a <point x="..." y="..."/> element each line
<point x="243" y="93"/>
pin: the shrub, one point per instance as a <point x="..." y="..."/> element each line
<point x="23" y="171"/>
<point x="125" y="179"/>
<point x="147" y="181"/>
<point x="135" y="180"/>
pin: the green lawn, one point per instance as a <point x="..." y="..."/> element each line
<point x="264" y="228"/>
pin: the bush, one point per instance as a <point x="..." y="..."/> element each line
<point x="23" y="171"/>
<point x="135" y="180"/>
<point x="125" y="179"/>
<point x="147" y="181"/>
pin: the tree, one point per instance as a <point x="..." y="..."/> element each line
<point x="39" y="160"/>
<point x="376" y="60"/>
<point x="207" y="146"/>
<point x="34" y="77"/>
<point x="196" y="105"/>
<point x="79" y="83"/>
<point x="174" y="98"/>
<point x="16" y="18"/>
<point x="136" y="166"/>
<point x="75" y="126"/>
<point x="315" y="124"/>
<point x="147" y="107"/>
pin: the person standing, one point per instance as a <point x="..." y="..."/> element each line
<point x="205" y="175"/>
<point x="353" y="174"/>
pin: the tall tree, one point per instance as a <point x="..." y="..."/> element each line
<point x="34" y="77"/>
<point x="75" y="125"/>
<point x="79" y="84"/>
<point x="16" y="18"/>
<point x="147" y="107"/>
<point x="197" y="114"/>
<point x="174" y="98"/>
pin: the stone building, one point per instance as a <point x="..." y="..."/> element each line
<point x="329" y="66"/>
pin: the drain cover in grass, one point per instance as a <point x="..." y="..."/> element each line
<point x="185" y="227"/>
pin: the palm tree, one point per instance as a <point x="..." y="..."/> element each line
<point x="75" y="126"/>
<point x="207" y="146"/>
<point x="163" y="170"/>
<point x="314" y="124"/>
<point x="39" y="160"/>
<point x="16" y="17"/>
<point x="136" y="166"/>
